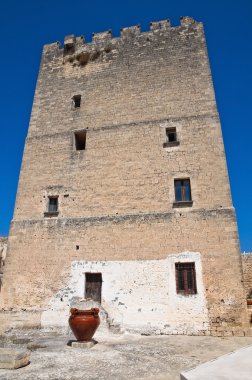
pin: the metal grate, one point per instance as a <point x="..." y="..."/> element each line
<point x="185" y="278"/>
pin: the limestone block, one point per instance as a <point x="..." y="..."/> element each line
<point x="86" y="345"/>
<point x="13" y="359"/>
<point x="235" y="365"/>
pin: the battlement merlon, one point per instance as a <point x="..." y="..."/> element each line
<point x="73" y="43"/>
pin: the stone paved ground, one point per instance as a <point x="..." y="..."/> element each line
<point x="115" y="356"/>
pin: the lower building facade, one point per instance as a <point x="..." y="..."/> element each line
<point x="181" y="273"/>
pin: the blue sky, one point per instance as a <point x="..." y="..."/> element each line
<point x="27" y="25"/>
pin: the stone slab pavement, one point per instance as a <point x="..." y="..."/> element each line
<point x="233" y="366"/>
<point x="119" y="357"/>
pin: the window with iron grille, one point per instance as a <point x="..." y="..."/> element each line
<point x="185" y="278"/>
<point x="182" y="190"/>
<point x="52" y="204"/>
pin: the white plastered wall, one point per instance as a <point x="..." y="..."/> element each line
<point x="138" y="295"/>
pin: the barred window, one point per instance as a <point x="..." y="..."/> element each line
<point x="185" y="278"/>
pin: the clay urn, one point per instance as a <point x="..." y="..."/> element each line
<point x="84" y="323"/>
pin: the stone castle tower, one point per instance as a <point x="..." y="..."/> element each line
<point x="124" y="194"/>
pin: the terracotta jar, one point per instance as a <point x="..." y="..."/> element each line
<point x="84" y="323"/>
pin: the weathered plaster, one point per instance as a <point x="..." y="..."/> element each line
<point x="138" y="295"/>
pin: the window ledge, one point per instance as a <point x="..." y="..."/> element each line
<point x="170" y="144"/>
<point x="183" y="204"/>
<point x="51" y="213"/>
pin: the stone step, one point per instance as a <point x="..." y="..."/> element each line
<point x="106" y="323"/>
<point x="115" y="329"/>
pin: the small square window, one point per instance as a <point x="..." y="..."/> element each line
<point x="52" y="204"/>
<point x="171" y="134"/>
<point x="80" y="140"/>
<point x="76" y="101"/>
<point x="185" y="278"/>
<point x="182" y="190"/>
<point x="171" y="137"/>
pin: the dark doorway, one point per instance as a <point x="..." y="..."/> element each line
<point x="93" y="286"/>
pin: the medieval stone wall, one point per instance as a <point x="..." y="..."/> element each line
<point x="146" y="83"/>
<point x="3" y="251"/>
<point x="144" y="237"/>
<point x="247" y="272"/>
<point x="116" y="197"/>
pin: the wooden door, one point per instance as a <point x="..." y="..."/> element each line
<point x="93" y="286"/>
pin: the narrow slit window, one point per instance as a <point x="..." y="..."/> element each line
<point x="76" y="101"/>
<point x="185" y="278"/>
<point x="80" y="140"/>
<point x="182" y="190"/>
<point x="52" y="204"/>
<point x="171" y="135"/>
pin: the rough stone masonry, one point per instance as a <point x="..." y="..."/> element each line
<point x="124" y="194"/>
<point x="3" y="251"/>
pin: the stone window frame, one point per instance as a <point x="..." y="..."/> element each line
<point x="170" y="143"/>
<point x="182" y="271"/>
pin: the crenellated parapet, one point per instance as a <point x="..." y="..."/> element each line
<point x="187" y="20"/>
<point x="103" y="36"/>
<point x="78" y="52"/>
<point x="131" y="31"/>
<point x="160" y="25"/>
